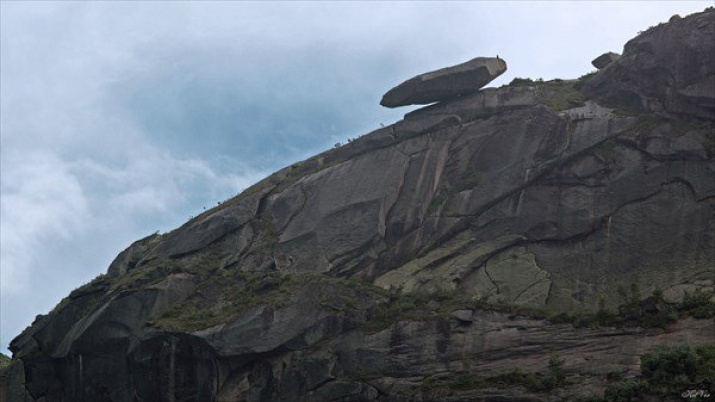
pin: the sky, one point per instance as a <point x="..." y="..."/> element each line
<point x="121" y="119"/>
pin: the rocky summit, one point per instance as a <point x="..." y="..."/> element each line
<point x="445" y="83"/>
<point x="667" y="70"/>
<point x="541" y="241"/>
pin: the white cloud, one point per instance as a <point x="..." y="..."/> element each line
<point x="41" y="201"/>
<point x="63" y="221"/>
<point x="157" y="183"/>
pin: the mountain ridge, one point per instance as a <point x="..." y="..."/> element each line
<point x="426" y="249"/>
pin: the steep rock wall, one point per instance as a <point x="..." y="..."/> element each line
<point x="528" y="195"/>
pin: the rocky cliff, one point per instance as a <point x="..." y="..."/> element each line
<point x="524" y="243"/>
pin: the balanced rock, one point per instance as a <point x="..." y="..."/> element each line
<point x="445" y="83"/>
<point x="605" y="59"/>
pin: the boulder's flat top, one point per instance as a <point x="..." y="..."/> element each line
<point x="446" y="83"/>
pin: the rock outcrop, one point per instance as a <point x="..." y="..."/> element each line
<point x="605" y="59"/>
<point x="668" y="69"/>
<point x="422" y="258"/>
<point x="445" y="83"/>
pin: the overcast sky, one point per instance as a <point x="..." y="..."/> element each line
<point x="120" y="119"/>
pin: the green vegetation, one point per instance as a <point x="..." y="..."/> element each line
<point x="647" y="121"/>
<point x="89" y="305"/>
<point x="666" y="372"/>
<point x="407" y="306"/>
<point x="4" y="364"/>
<point x="4" y="361"/>
<point x="674" y="368"/>
<point x="190" y="318"/>
<point x="238" y="290"/>
<point x="685" y="126"/>
<point x="630" y="113"/>
<point x="628" y="390"/>
<point x="561" y="95"/>
<point x="607" y="150"/>
<point x="698" y="304"/>
<point x="553" y="378"/>
<point x="441" y="198"/>
<point x="469" y="180"/>
<point x="710" y="142"/>
<point x="267" y="235"/>
<point x="651" y="312"/>
<point x="437" y="305"/>
<point x="153" y="272"/>
<point x="241" y="290"/>
<point x="557" y="94"/>
<point x="363" y="375"/>
<point x="519" y="82"/>
<point x="584" y="78"/>
<point x="615" y="375"/>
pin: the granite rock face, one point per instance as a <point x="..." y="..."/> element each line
<point x="605" y="59"/>
<point x="670" y="68"/>
<point x="358" y="274"/>
<point x="445" y="83"/>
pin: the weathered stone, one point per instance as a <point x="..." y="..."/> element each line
<point x="670" y="68"/>
<point x="605" y="59"/>
<point x="306" y="318"/>
<point x="463" y="315"/>
<point x="129" y="258"/>
<point x="507" y="195"/>
<point x="344" y="391"/>
<point x="445" y="83"/>
<point x="479" y="105"/>
<point x="12" y="383"/>
<point x="160" y="370"/>
<point x="210" y="227"/>
<point x="513" y="277"/>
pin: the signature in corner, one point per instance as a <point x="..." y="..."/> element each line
<point x="696" y="393"/>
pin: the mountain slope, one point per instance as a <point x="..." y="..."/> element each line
<point x="416" y="258"/>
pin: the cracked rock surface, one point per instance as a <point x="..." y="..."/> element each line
<point x="536" y="195"/>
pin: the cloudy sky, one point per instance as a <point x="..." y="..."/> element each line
<point x="120" y="119"/>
